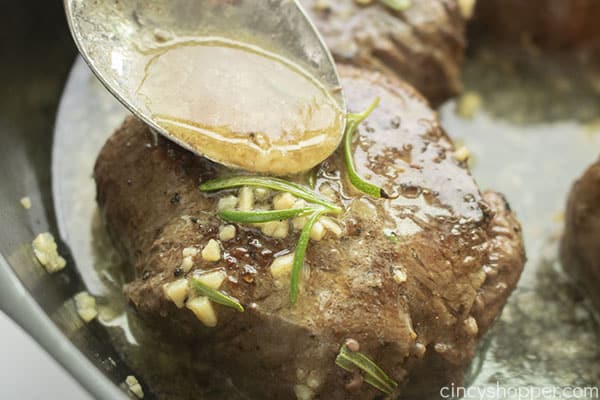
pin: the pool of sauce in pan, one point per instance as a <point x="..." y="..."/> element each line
<point x="241" y="106"/>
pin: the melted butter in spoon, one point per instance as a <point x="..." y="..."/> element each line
<point x="241" y="106"/>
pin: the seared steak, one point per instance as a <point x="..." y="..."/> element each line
<point x="580" y="248"/>
<point x="417" y="301"/>
<point x="422" y="45"/>
<point x="549" y="24"/>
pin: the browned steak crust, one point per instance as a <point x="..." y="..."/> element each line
<point x="461" y="251"/>
<point x="423" y="45"/>
<point x="580" y="247"/>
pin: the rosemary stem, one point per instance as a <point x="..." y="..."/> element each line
<point x="216" y="295"/>
<point x="254" y="217"/>
<point x="270" y="183"/>
<point x="353" y="120"/>
<point x="299" y="254"/>
<point x="372" y="373"/>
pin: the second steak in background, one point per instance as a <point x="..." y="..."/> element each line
<point x="423" y="44"/>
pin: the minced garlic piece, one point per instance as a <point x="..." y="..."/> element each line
<point x="190" y="252"/>
<point x="471" y="326"/>
<point x="212" y="279"/>
<point x="177" y="291"/>
<point x="188" y="258"/>
<point x="226" y="232"/>
<point x="326" y="190"/>
<point x="86" y="306"/>
<point x="134" y="386"/>
<point x="26" y="203"/>
<point x="282" y="266"/>
<point x="321" y="5"/>
<point x="284" y="201"/>
<point x="466" y="8"/>
<point x="399" y="275"/>
<point x="468" y="105"/>
<point x="187" y="263"/>
<point x="299" y="203"/>
<point x="317" y="231"/>
<point x="276" y="229"/>
<point x="299" y="222"/>
<point x="227" y="203"/>
<point x="303" y="392"/>
<point x="441" y="348"/>
<point x="331" y="226"/>
<point x="203" y="309"/>
<point x="212" y="251"/>
<point x="45" y="250"/>
<point x="261" y="194"/>
<point x="313" y="381"/>
<point x="246" y="199"/>
<point x="462" y="154"/>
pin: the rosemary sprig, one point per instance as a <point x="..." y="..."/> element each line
<point x="397" y="5"/>
<point x="372" y="374"/>
<point x="254" y="217"/>
<point x="300" y="252"/>
<point x="216" y="295"/>
<point x="352" y="122"/>
<point x="257" y="216"/>
<point x="270" y="183"/>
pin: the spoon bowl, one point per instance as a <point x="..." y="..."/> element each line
<point x="116" y="39"/>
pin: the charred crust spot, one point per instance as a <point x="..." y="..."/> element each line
<point x="353" y="228"/>
<point x="176" y="198"/>
<point x="248" y="273"/>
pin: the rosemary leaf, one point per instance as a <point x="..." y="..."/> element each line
<point x="357" y="118"/>
<point x="270" y="183"/>
<point x="397" y="5"/>
<point x="216" y="295"/>
<point x="372" y="374"/>
<point x="390" y="235"/>
<point x="352" y="122"/>
<point x="254" y="217"/>
<point x="299" y="254"/>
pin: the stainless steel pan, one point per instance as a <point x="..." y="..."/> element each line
<point x="531" y="139"/>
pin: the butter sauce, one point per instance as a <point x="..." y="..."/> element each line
<point x="241" y="106"/>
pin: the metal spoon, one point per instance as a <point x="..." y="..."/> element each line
<point x="112" y="36"/>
